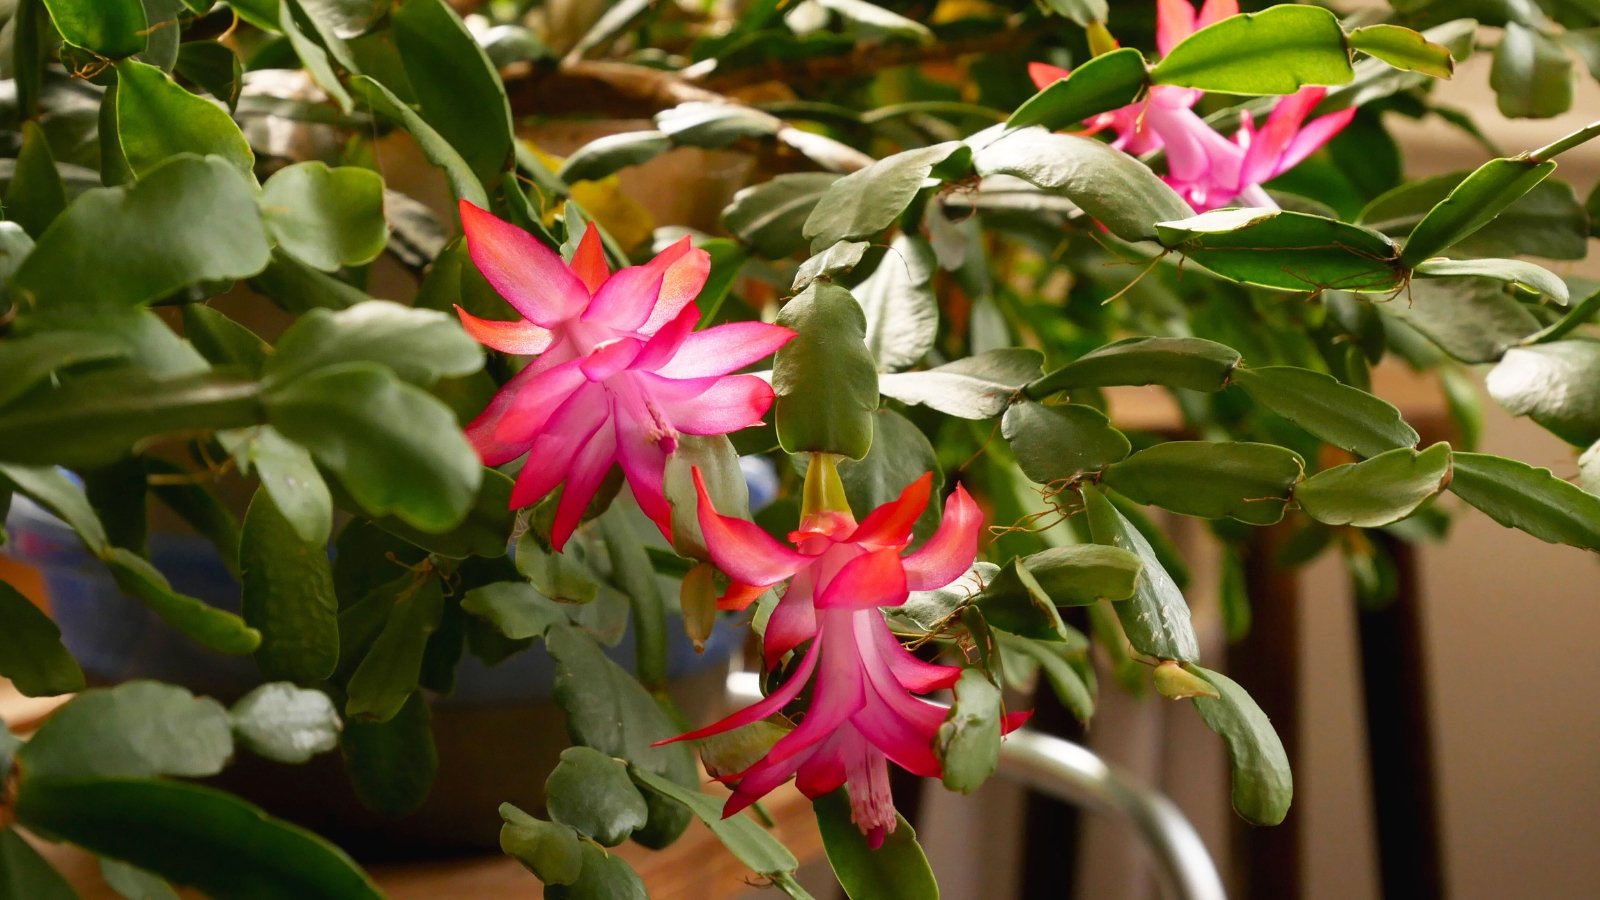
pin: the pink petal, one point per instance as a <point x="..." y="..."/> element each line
<point x="1215" y="11"/>
<point x="823" y="772"/>
<point x="950" y="552"/>
<point x="610" y="358"/>
<point x="522" y="338"/>
<point x="1044" y="74"/>
<point x="588" y="470"/>
<point x="870" y="580"/>
<point x="761" y="778"/>
<point x="890" y="524"/>
<point x="1269" y="143"/>
<point x="725" y="348"/>
<point x="666" y="343"/>
<point x="711" y="405"/>
<point x="913" y="674"/>
<point x="554" y="451"/>
<point x="515" y="416"/>
<point x="644" y="463"/>
<point x="1318" y="132"/>
<point x="793" y="621"/>
<point x="685" y="270"/>
<point x="589" y="260"/>
<point x="742" y="549"/>
<point x="626" y="298"/>
<point x="525" y="272"/>
<point x="1174" y="22"/>
<point x="837" y="694"/>
<point x="755" y="712"/>
<point x="911" y="748"/>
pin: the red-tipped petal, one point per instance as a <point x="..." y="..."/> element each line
<point x="522" y="338"/>
<point x="913" y="674"/>
<point x="1268" y="144"/>
<point x="1012" y="721"/>
<point x="517" y="414"/>
<point x="755" y="712"/>
<point x="950" y="552"/>
<point x="724" y="349"/>
<point x="793" y="621"/>
<point x="529" y="275"/>
<point x="1044" y="74"/>
<point x="588" y="470"/>
<point x="890" y="524"/>
<point x="554" y="451"/>
<point x="740" y="548"/>
<point x="589" y="260"/>
<point x="1174" y="22"/>
<point x="739" y="596"/>
<point x="870" y="580"/>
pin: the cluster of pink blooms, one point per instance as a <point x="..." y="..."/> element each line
<point x="1204" y="167"/>
<point x="620" y="373"/>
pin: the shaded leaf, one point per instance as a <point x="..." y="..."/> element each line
<point x="825" y="378"/>
<point x="1287" y="251"/>
<point x="1344" y="416"/>
<point x="1380" y="491"/>
<point x="769" y="216"/>
<point x="549" y="851"/>
<point x="867" y="201"/>
<point x="218" y="629"/>
<point x="1520" y="496"/>
<point x="1403" y="49"/>
<point x="897" y="870"/>
<point x="592" y="793"/>
<point x="1524" y="275"/>
<point x="157" y="119"/>
<point x="1061" y="443"/>
<point x="392" y="764"/>
<point x="1156" y="617"/>
<point x="137" y="729"/>
<point x="1103" y="83"/>
<point x="973" y="387"/>
<point x="112" y="28"/>
<point x="1275" y="51"/>
<point x="1262" y="784"/>
<point x="898" y="300"/>
<point x="193" y="835"/>
<point x="1179" y="362"/>
<point x="31" y="653"/>
<point x="1556" y="384"/>
<point x="1247" y="481"/>
<point x="325" y="217"/>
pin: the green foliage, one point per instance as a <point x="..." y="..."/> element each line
<point x="187" y="281"/>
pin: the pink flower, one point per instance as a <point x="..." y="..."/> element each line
<point x="1207" y="169"/>
<point x="863" y="712"/>
<point x="621" y="371"/>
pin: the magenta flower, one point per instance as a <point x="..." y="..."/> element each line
<point x="621" y="371"/>
<point x="1204" y="167"/>
<point x="863" y="711"/>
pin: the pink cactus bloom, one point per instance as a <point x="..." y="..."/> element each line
<point x="621" y="371"/>
<point x="863" y="710"/>
<point x="1207" y="169"/>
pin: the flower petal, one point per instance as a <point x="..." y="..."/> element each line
<point x="1317" y="132"/>
<point x="711" y="405"/>
<point x="1215" y="11"/>
<point x="610" y="358"/>
<point x="627" y="297"/>
<point x="870" y="580"/>
<point x="740" y="548"/>
<point x="950" y="552"/>
<point x="1044" y="74"/>
<point x="683" y="277"/>
<point x="588" y="470"/>
<point x="793" y="620"/>
<point x="766" y="706"/>
<point x="553" y="453"/>
<point x="1174" y="22"/>
<point x="913" y="674"/>
<point x="1268" y="144"/>
<point x="589" y="260"/>
<point x="644" y="463"/>
<point x="529" y="275"/>
<point x="738" y="596"/>
<point x="723" y="349"/>
<point x="823" y="772"/>
<point x="890" y="524"/>
<point x="515" y="416"/>
<point x="522" y="338"/>
<point x="666" y="343"/>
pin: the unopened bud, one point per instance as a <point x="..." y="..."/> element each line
<point x="1100" y="39"/>
<point x="698" y="596"/>
<point x="1177" y="683"/>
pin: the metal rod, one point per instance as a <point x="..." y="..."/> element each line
<point x="1073" y="774"/>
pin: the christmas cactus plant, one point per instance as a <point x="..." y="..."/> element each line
<point x="326" y="282"/>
